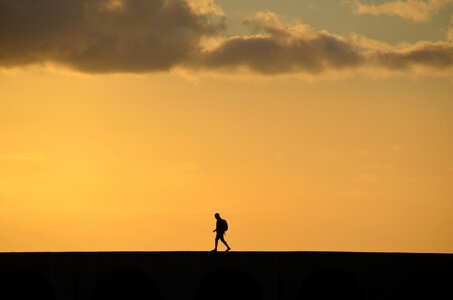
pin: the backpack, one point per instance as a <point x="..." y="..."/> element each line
<point x="223" y="225"/>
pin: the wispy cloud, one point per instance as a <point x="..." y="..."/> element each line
<point x="187" y="174"/>
<point x="379" y="166"/>
<point x="136" y="36"/>
<point x="361" y="151"/>
<point x="450" y="30"/>
<point x="205" y="7"/>
<point x="413" y="10"/>
<point x="22" y="158"/>
<point x="365" y="178"/>
<point x="279" y="48"/>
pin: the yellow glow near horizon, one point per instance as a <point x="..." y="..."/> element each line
<point x="143" y="163"/>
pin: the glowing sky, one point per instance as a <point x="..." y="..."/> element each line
<point x="308" y="125"/>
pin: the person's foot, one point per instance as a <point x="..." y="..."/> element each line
<point x="214" y="250"/>
<point x="228" y="249"/>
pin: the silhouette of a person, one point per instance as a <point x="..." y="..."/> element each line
<point x="220" y="232"/>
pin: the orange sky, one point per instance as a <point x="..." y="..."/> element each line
<point x="353" y="158"/>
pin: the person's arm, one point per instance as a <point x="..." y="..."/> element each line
<point x="216" y="226"/>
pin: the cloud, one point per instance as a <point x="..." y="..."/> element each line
<point x="281" y="49"/>
<point x="365" y="178"/>
<point x="137" y="36"/>
<point x="100" y="36"/>
<point x="184" y="175"/>
<point x="413" y="10"/>
<point x="298" y="48"/>
<point x="206" y="7"/>
<point x="22" y="158"/>
<point x="361" y="151"/>
<point x="434" y="55"/>
<point x="379" y="166"/>
<point x="450" y="31"/>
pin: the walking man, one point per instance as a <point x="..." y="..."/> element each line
<point x="220" y="229"/>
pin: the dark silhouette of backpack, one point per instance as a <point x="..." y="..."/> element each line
<point x="223" y="225"/>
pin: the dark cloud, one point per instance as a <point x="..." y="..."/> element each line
<point x="435" y="55"/>
<point x="277" y="48"/>
<point x="270" y="55"/>
<point x="101" y="36"/>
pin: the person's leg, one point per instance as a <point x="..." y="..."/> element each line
<point x="216" y="242"/>
<point x="225" y="243"/>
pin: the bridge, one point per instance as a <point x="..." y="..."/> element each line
<point x="232" y="275"/>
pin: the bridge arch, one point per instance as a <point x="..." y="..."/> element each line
<point x="329" y="283"/>
<point x="228" y="284"/>
<point x="126" y="284"/>
<point x="24" y="284"/>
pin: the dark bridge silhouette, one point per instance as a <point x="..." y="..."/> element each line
<point x="232" y="276"/>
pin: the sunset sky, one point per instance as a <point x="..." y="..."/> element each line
<point x="310" y="125"/>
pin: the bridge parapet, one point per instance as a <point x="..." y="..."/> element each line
<point x="233" y="275"/>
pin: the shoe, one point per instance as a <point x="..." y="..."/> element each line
<point x="228" y="249"/>
<point x="214" y="250"/>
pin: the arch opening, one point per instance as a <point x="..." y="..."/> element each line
<point x="428" y="283"/>
<point x="25" y="285"/>
<point x="329" y="284"/>
<point x="126" y="284"/>
<point x="228" y="284"/>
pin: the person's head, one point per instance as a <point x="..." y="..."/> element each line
<point x="217" y="216"/>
